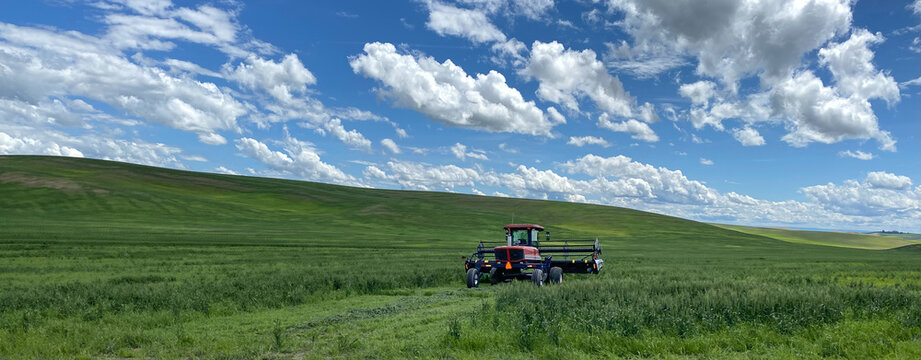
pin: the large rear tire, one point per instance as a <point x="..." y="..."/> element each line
<point x="473" y="278"/>
<point x="537" y="276"/>
<point x="495" y="276"/>
<point x="556" y="275"/>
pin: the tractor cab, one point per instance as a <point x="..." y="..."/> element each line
<point x="523" y="234"/>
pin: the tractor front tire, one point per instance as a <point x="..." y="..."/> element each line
<point x="495" y="276"/>
<point x="473" y="278"/>
<point x="556" y="275"/>
<point x="538" y="277"/>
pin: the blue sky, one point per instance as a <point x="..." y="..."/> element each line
<point x="772" y="113"/>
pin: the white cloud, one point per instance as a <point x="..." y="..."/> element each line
<point x="299" y="160"/>
<point x="352" y="138"/>
<point x="643" y="180"/>
<point x="43" y="64"/>
<point x="460" y="151"/>
<point x="881" y="195"/>
<point x="581" y="141"/>
<point x="734" y="39"/>
<point x="884" y="180"/>
<point x="155" y="27"/>
<point x="648" y="113"/>
<point x="224" y="170"/>
<point x="278" y="79"/>
<point x="699" y="92"/>
<point x="856" y="154"/>
<point x="445" y="93"/>
<point x="417" y="176"/>
<point x="748" y="136"/>
<point x="851" y="63"/>
<point x="506" y="148"/>
<point x="705" y="161"/>
<point x="391" y="146"/>
<point x="817" y="113"/>
<point x="34" y="146"/>
<point x="639" y="130"/>
<point x="565" y="75"/>
<point x="468" y="23"/>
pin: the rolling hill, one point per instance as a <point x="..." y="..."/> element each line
<point x="828" y="238"/>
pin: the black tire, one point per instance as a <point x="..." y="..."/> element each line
<point x="538" y="277"/>
<point x="556" y="275"/>
<point x="495" y="276"/>
<point x="473" y="278"/>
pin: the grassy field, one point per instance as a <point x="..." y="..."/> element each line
<point x="110" y="260"/>
<point x="830" y="238"/>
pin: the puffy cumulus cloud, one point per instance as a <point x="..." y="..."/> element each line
<point x="418" y="176"/>
<point x="34" y="146"/>
<point x="581" y="141"/>
<point x="659" y="184"/>
<point x="648" y="113"/>
<point x="884" y="180"/>
<point x="391" y="146"/>
<point x="699" y="92"/>
<point x="445" y="93"/>
<point x="639" y="130"/>
<point x="881" y="194"/>
<point x="851" y="64"/>
<point x="279" y="79"/>
<point x="733" y="39"/>
<point x="460" y="151"/>
<point x="818" y="113"/>
<point x="856" y="154"/>
<point x="543" y="184"/>
<point x="352" y="138"/>
<point x="468" y="23"/>
<point x="39" y="64"/>
<point x="299" y="160"/>
<point x="226" y="171"/>
<point x="565" y="75"/>
<point x="748" y="136"/>
<point x="474" y="24"/>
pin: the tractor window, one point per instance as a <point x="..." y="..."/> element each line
<point x="519" y="237"/>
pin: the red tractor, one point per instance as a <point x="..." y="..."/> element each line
<point x="523" y="256"/>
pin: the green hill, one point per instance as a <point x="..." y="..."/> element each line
<point x="101" y="259"/>
<point x="827" y="238"/>
<point x="63" y="194"/>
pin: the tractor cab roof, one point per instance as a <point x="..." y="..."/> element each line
<point x="524" y="227"/>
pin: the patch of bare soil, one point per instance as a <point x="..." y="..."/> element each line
<point x="36" y="182"/>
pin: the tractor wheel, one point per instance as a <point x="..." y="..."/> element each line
<point x="556" y="275"/>
<point x="538" y="277"/>
<point x="473" y="278"/>
<point x="495" y="276"/>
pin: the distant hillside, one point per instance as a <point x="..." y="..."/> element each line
<point x="872" y="241"/>
<point x="897" y="235"/>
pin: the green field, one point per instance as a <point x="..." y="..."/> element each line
<point x="830" y="238"/>
<point x="111" y="260"/>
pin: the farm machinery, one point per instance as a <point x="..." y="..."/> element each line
<point x="523" y="256"/>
